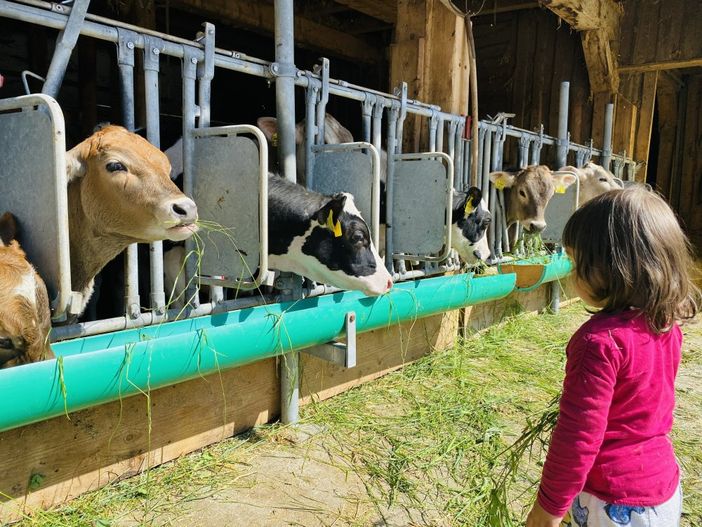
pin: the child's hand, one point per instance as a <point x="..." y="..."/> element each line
<point x="538" y="517"/>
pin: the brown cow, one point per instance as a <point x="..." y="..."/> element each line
<point x="25" y="318"/>
<point x="527" y="193"/>
<point x="119" y="193"/>
<point x="594" y="180"/>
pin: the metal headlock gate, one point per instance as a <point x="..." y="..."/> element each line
<point x="358" y="167"/>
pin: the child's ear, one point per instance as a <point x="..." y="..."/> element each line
<point x="329" y="215"/>
<point x="502" y="179"/>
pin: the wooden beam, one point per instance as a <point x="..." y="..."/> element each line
<point x="385" y="10"/>
<point x="260" y="16"/>
<point x="599" y="22"/>
<point x="642" y="145"/>
<point x="519" y="6"/>
<point x="661" y="65"/>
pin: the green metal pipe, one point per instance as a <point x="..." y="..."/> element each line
<point x="556" y="267"/>
<point x="96" y="370"/>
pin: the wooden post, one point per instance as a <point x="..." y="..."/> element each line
<point x="647" y="106"/>
<point x="430" y="53"/>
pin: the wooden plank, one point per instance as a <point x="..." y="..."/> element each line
<point x="645" y="122"/>
<point x="662" y="65"/>
<point x="543" y="62"/>
<point x="645" y="42"/>
<point x="385" y="10"/>
<point x="600" y="21"/>
<point x="689" y="188"/>
<point x="585" y="15"/>
<point x="523" y="66"/>
<point x="260" y="16"/>
<point x="667" y="100"/>
<point x="497" y="9"/>
<point x="624" y="129"/>
<point x="599" y="106"/>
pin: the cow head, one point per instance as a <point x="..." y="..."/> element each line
<point x="527" y="193"/>
<point x="594" y="180"/>
<point x="342" y="244"/>
<point x="469" y="222"/>
<point x="25" y="318"/>
<point x="125" y="188"/>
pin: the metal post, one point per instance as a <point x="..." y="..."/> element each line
<point x="125" y="60"/>
<point x="607" y="143"/>
<point x="524" y="141"/>
<point x="285" y="109"/>
<point x="563" y="136"/>
<point x="65" y="42"/>
<point x="555" y="296"/>
<point x="389" y="187"/>
<point x="323" y="100"/>
<point x="190" y="111"/>
<point x="153" y="47"/>
<point x="310" y="129"/>
<point x="367" y="116"/>
<point x="536" y="147"/>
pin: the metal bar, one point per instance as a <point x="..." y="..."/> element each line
<point x="367" y="116"/>
<point x="323" y="100"/>
<point x="65" y="42"/>
<point x="190" y="111"/>
<point x="152" y="52"/>
<point x="607" y="142"/>
<point x="310" y="128"/>
<point x="561" y="159"/>
<point x="125" y="61"/>
<point x="390" y="186"/>
<point x="285" y="110"/>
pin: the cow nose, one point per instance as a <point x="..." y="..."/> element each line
<point x="477" y="254"/>
<point x="536" y="226"/>
<point x="185" y="210"/>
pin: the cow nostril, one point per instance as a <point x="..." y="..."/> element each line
<point x="388" y="286"/>
<point x="476" y="253"/>
<point x="180" y="211"/>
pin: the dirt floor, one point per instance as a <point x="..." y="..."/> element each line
<point x="424" y="446"/>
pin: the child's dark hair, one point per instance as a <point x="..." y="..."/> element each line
<point x="630" y="250"/>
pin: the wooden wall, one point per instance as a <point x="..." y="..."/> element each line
<point x="523" y="56"/>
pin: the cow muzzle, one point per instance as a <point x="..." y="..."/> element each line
<point x="182" y="215"/>
<point x="534" y="227"/>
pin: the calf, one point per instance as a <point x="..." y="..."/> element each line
<point x="470" y="219"/>
<point x="594" y="180"/>
<point x="527" y="192"/>
<point x="119" y="193"/>
<point x="323" y="238"/>
<point x="25" y="317"/>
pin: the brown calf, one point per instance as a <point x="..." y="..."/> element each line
<point x="527" y="193"/>
<point x="119" y="193"/>
<point x="25" y="318"/>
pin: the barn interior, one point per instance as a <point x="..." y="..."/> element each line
<point x="631" y="53"/>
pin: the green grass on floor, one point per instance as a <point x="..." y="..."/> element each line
<point x="431" y="437"/>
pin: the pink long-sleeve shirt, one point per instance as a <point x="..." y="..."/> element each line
<point x="616" y="412"/>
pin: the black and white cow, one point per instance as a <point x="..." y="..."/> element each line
<point x="470" y="219"/>
<point x="323" y="238"/>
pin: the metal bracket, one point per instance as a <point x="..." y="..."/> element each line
<point x="126" y="42"/>
<point x="153" y="46"/>
<point x="207" y="67"/>
<point x="323" y="71"/>
<point x="338" y="353"/>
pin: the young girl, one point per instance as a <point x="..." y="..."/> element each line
<point x="611" y="462"/>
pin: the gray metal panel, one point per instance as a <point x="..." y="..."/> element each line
<point x="559" y="209"/>
<point x="33" y="182"/>
<point x="419" y="206"/>
<point x="226" y="190"/>
<point x="346" y="172"/>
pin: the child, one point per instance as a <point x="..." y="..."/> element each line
<point x="611" y="462"/>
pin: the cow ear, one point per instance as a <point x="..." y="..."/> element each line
<point x="472" y="200"/>
<point x="563" y="181"/>
<point x="269" y="127"/>
<point x="329" y="215"/>
<point x="502" y="179"/>
<point x="76" y="159"/>
<point x="8" y="228"/>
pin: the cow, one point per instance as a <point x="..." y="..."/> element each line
<point x="25" y="316"/>
<point x="527" y="192"/>
<point x="470" y="219"/>
<point x="119" y="193"/>
<point x="594" y="180"/>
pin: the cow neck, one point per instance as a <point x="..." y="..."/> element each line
<point x="91" y="249"/>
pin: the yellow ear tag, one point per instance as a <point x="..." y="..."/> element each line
<point x="334" y="227"/>
<point x="469" y="207"/>
<point x="560" y="188"/>
<point x="499" y="184"/>
<point x="274" y="139"/>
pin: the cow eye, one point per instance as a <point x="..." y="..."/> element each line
<point x="115" y="166"/>
<point x="6" y="343"/>
<point x="603" y="179"/>
<point x="522" y="193"/>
